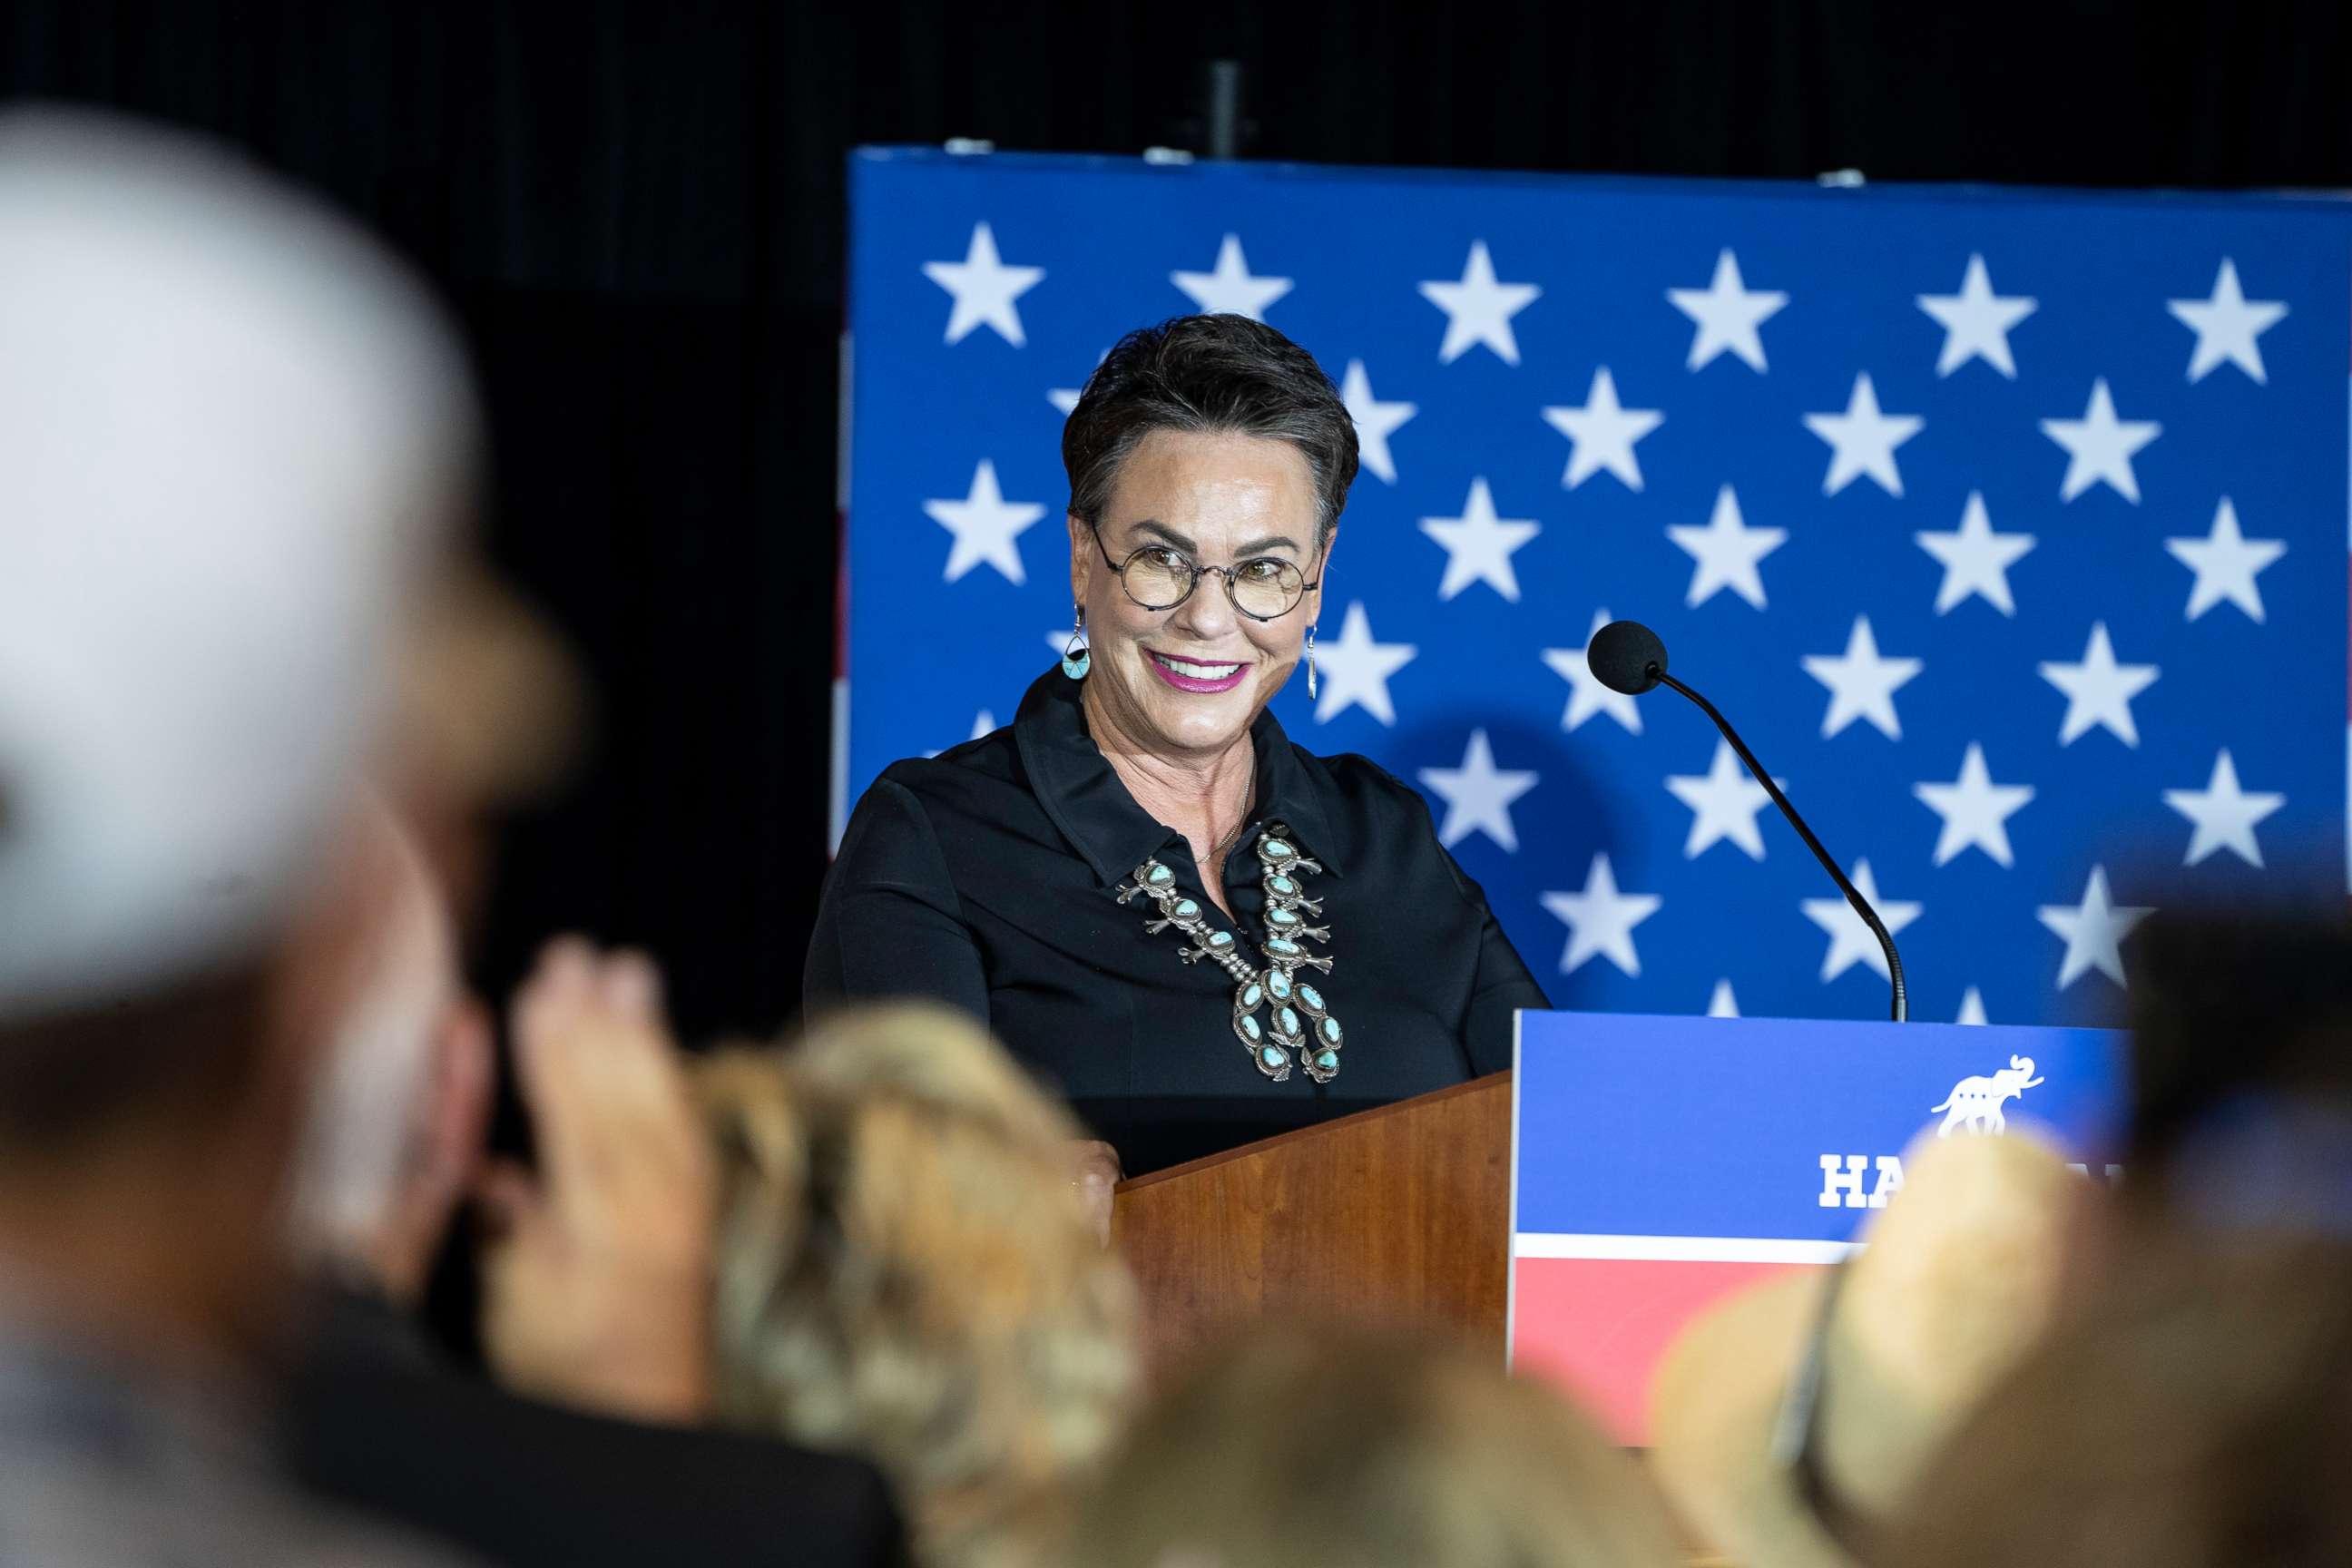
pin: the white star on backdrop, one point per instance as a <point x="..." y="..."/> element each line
<point x="2099" y="690"/>
<point x="2093" y="930"/>
<point x="2226" y="325"/>
<point x="1723" y="802"/>
<point x="1863" y="440"/>
<point x="1862" y="684"/>
<point x="2100" y="447"/>
<point x="1727" y="313"/>
<point x="1976" y="811"/>
<point x="984" y="289"/>
<point x="1723" y="1003"/>
<point x="1971" y="1008"/>
<point x="1977" y="322"/>
<point x="1479" y="309"/>
<point x="1586" y="695"/>
<point x="1375" y="421"/>
<point x="1230" y="289"/>
<point x="1601" y="920"/>
<point x="2226" y="563"/>
<point x="982" y="723"/>
<point x="1478" y="795"/>
<point x="985" y="526"/>
<point x="1976" y="560"/>
<point x="1356" y="669"/>
<point x="1478" y="544"/>
<point x="1065" y="399"/>
<point x="2225" y="815"/>
<point x="1725" y="552"/>
<point x="1851" y="942"/>
<point x="1601" y="434"/>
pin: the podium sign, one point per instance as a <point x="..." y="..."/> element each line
<point x="1659" y="1163"/>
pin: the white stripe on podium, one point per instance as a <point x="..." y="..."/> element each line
<point x="1677" y="1249"/>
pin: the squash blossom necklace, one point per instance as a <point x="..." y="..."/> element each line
<point x="1297" y="1024"/>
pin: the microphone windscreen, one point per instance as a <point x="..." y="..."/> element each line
<point x="1626" y="656"/>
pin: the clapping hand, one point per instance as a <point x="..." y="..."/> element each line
<point x="1095" y="1171"/>
<point x="596" y="1272"/>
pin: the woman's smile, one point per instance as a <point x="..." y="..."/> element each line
<point x="1197" y="675"/>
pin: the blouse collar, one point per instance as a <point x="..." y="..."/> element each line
<point x="1091" y="807"/>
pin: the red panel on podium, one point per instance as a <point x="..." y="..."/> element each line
<point x="1597" y="1325"/>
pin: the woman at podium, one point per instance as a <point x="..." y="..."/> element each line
<point x="1199" y="931"/>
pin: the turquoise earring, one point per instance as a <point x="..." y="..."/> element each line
<point x="1310" y="664"/>
<point x="1076" y="656"/>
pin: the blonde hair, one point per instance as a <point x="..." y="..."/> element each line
<point x="1368" y="1449"/>
<point x="905" y="1268"/>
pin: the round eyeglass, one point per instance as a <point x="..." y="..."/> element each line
<point x="1160" y="577"/>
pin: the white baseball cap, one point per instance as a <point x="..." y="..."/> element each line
<point x="233" y="432"/>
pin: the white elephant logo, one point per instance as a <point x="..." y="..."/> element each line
<point x="1975" y="1102"/>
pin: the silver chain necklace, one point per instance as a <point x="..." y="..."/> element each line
<point x="1297" y="1023"/>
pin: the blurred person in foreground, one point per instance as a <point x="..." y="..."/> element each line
<point x="2195" y="1410"/>
<point x="1361" y="1449"/>
<point x="1793" y="1422"/>
<point x="231" y="433"/>
<point x="378" y="1419"/>
<point x="870" y="1242"/>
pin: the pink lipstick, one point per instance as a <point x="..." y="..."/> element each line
<point x="1196" y="675"/>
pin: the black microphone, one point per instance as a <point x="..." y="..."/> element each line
<point x="1626" y="656"/>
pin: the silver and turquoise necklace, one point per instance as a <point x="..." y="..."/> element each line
<point x="1297" y="1024"/>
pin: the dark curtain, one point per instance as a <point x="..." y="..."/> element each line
<point x="636" y="209"/>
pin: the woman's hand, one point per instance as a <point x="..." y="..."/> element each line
<point x="596" y="1273"/>
<point x="1095" y="1170"/>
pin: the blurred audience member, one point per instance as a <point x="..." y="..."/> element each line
<point x="1792" y="1422"/>
<point x="490" y="713"/>
<point x="2231" y="1013"/>
<point x="401" y="1108"/>
<point x="906" y="1266"/>
<point x="883" y="1251"/>
<point x="230" y="433"/>
<point x="1355" y="1448"/>
<point x="379" y="1420"/>
<point x="2192" y="1411"/>
<point x="2193" y="1414"/>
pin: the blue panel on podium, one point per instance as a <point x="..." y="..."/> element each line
<point x="1659" y="1162"/>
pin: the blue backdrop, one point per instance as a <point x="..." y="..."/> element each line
<point x="2011" y="529"/>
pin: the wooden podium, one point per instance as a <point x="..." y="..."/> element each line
<point x="1399" y="1216"/>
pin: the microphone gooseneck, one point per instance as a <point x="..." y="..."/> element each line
<point x="1626" y="656"/>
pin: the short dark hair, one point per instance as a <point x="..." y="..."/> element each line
<point x="1209" y="374"/>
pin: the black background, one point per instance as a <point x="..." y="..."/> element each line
<point x="636" y="209"/>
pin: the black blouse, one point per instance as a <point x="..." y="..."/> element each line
<point x="987" y="877"/>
